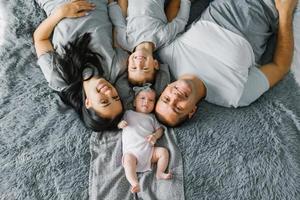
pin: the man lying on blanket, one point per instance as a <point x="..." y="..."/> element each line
<point x="217" y="57"/>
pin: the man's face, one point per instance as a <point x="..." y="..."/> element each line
<point x="177" y="101"/>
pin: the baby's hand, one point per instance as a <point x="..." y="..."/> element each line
<point x="122" y="124"/>
<point x="151" y="139"/>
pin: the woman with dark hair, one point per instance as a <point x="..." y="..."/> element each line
<point x="80" y="61"/>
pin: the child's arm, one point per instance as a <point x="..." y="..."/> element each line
<point x="123" y="5"/>
<point x="119" y="22"/>
<point x="177" y="25"/>
<point x="155" y="136"/>
<point x="172" y="9"/>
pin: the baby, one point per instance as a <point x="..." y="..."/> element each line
<point x="144" y="30"/>
<point x="140" y="132"/>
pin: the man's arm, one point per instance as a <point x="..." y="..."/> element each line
<point x="283" y="55"/>
<point x="41" y="35"/>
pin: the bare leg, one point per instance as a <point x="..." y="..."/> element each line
<point x="161" y="156"/>
<point x="129" y="163"/>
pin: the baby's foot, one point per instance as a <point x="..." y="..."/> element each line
<point x="135" y="188"/>
<point x="164" y="176"/>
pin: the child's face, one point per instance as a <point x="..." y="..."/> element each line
<point x="144" y="102"/>
<point x="141" y="67"/>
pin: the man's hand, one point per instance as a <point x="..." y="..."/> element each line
<point x="122" y="124"/>
<point x="286" y="7"/>
<point x="75" y="8"/>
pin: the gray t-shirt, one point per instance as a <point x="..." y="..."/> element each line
<point x="98" y="24"/>
<point x="146" y="21"/>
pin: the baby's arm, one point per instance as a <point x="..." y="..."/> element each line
<point x="155" y="136"/>
<point x="122" y="124"/>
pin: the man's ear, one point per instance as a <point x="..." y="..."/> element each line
<point x="88" y="103"/>
<point x="192" y="112"/>
<point x="156" y="64"/>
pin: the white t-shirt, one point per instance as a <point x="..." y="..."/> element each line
<point x="220" y="58"/>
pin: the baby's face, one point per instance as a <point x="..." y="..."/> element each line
<point x="144" y="102"/>
<point x="141" y="67"/>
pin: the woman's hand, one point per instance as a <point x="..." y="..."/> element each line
<point x="75" y="8"/>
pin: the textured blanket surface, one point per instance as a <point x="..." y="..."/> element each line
<point x="246" y="153"/>
<point x="107" y="178"/>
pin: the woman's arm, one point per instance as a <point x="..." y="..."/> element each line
<point x="73" y="9"/>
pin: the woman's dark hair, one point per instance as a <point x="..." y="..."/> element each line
<point x="76" y="58"/>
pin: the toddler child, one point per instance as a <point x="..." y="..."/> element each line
<point x="144" y="30"/>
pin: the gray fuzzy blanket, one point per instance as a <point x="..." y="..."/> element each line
<point x="247" y="153"/>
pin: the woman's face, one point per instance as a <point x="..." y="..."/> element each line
<point x="102" y="97"/>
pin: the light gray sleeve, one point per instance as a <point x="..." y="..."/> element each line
<point x="178" y="24"/>
<point x="256" y="85"/>
<point x="49" y="69"/>
<point x="120" y="25"/>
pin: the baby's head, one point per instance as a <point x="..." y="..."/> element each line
<point x="142" y="67"/>
<point x="144" y="100"/>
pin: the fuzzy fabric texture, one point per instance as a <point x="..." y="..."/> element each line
<point x="246" y="153"/>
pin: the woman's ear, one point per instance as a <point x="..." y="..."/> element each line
<point x="88" y="103"/>
<point x="192" y="112"/>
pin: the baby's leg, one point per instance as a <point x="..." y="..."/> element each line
<point x="161" y="156"/>
<point x="129" y="163"/>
